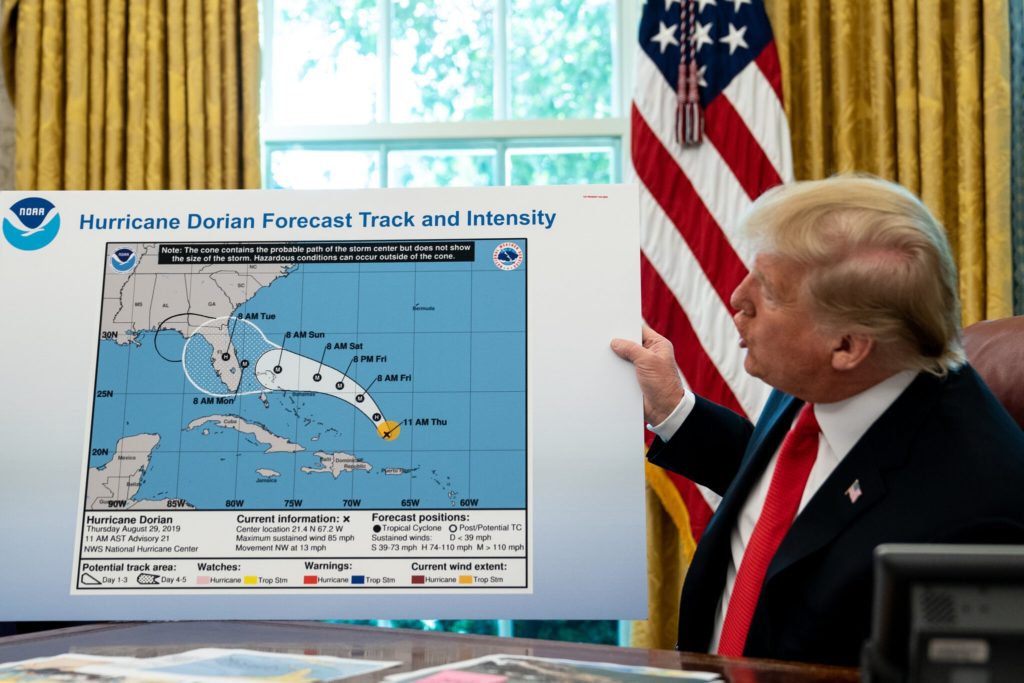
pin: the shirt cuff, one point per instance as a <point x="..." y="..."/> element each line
<point x="667" y="428"/>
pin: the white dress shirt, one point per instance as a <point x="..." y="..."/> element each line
<point x="842" y="425"/>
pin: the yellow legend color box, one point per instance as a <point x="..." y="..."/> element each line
<point x="251" y="580"/>
<point x="465" y="579"/>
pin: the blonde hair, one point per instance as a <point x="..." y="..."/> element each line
<point x="878" y="263"/>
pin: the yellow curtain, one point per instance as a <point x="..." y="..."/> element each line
<point x="670" y="548"/>
<point x="133" y="94"/>
<point x="917" y="92"/>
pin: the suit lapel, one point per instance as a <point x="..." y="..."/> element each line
<point x="771" y="428"/>
<point x="857" y="484"/>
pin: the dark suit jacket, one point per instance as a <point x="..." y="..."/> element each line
<point x="945" y="463"/>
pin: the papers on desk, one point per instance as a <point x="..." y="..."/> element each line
<point x="207" y="665"/>
<point x="516" y="668"/>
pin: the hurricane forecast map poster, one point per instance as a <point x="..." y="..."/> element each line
<point x="364" y="404"/>
<point x="281" y="403"/>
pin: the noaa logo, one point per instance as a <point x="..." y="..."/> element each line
<point x="123" y="260"/>
<point x="31" y="223"/>
<point x="508" y="256"/>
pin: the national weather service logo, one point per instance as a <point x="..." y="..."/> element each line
<point x="508" y="256"/>
<point x="31" y="223"/>
<point x="123" y="260"/>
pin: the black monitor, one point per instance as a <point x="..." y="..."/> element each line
<point x="946" y="614"/>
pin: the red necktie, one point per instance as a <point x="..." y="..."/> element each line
<point x="796" y="457"/>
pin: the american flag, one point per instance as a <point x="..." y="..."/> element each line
<point x="854" y="492"/>
<point x="693" y="195"/>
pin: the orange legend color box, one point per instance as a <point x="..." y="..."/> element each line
<point x="465" y="578"/>
<point x="309" y="579"/>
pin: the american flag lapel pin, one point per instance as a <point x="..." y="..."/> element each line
<point x="854" y="492"/>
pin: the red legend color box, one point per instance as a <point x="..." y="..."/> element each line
<point x="309" y="580"/>
<point x="419" y="578"/>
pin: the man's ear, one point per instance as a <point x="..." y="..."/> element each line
<point x="851" y="351"/>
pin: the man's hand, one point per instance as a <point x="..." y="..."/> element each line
<point x="656" y="372"/>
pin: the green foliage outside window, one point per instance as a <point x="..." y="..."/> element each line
<point x="559" y="54"/>
<point x="560" y="61"/>
<point x="563" y="168"/>
<point x="444" y="67"/>
<point x="602" y="632"/>
<point x="584" y="631"/>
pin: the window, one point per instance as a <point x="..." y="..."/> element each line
<point x="374" y="93"/>
<point x="601" y="632"/>
<point x="382" y="93"/>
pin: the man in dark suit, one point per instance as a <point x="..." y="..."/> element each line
<point x="850" y="312"/>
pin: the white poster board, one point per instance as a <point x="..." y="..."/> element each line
<point x="352" y="404"/>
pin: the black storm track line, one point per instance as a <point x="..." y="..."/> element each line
<point x="160" y="328"/>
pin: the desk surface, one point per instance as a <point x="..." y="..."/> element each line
<point x="416" y="649"/>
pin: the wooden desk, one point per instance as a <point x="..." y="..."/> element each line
<point x="416" y="649"/>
